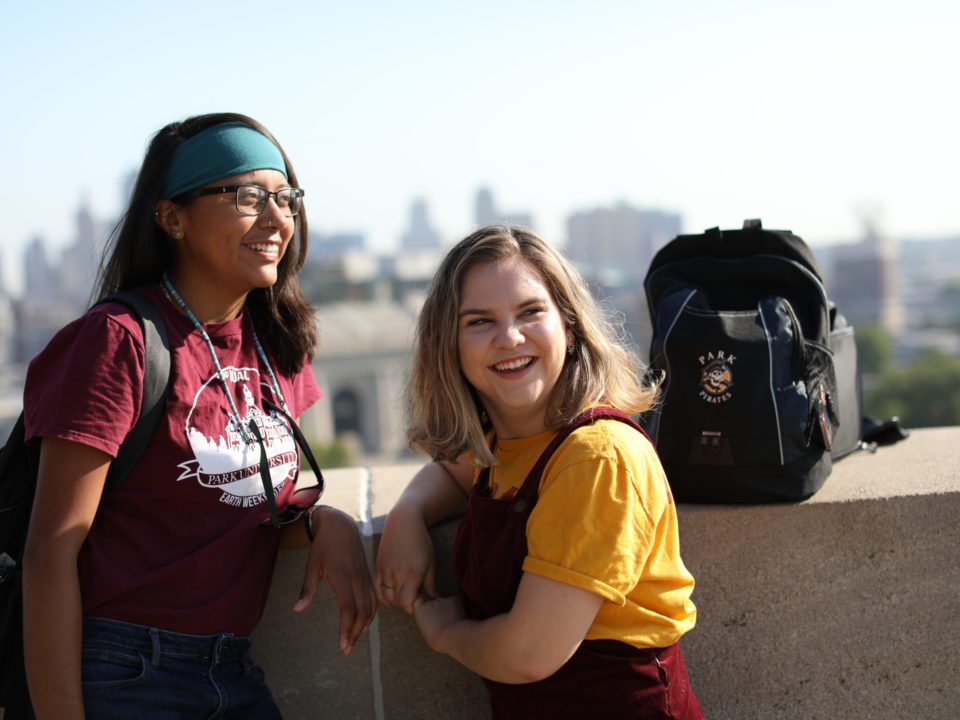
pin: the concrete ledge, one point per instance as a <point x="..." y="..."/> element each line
<point x="845" y="606"/>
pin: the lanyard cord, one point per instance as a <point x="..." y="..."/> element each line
<point x="251" y="433"/>
<point x="249" y="437"/>
<point x="273" y="378"/>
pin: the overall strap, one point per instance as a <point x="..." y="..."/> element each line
<point x="530" y="489"/>
<point x="156" y="379"/>
<point x="482" y="486"/>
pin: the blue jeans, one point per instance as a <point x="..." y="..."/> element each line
<point x="132" y="671"/>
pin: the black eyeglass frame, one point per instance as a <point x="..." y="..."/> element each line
<point x="293" y="512"/>
<point x="223" y="189"/>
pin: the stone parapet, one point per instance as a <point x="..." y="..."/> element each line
<point x="844" y="606"/>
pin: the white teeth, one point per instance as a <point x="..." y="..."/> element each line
<point x="267" y="248"/>
<point x="514" y="364"/>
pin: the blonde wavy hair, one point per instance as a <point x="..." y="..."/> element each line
<point x="445" y="417"/>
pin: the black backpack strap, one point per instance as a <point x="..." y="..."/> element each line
<point x="873" y="432"/>
<point x="156" y="378"/>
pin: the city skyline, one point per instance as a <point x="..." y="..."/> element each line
<point x="807" y="116"/>
<point x="587" y="238"/>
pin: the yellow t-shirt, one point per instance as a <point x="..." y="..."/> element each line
<point x="605" y="522"/>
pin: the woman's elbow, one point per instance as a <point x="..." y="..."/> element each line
<point x="535" y="673"/>
<point x="535" y="666"/>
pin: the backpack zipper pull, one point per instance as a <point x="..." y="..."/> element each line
<point x="826" y="429"/>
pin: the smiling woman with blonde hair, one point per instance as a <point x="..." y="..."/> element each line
<point x="573" y="593"/>
<point x="443" y="417"/>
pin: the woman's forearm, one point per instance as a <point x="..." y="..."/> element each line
<point x="494" y="649"/>
<point x="542" y="630"/>
<point x="52" y="634"/>
<point x="434" y="494"/>
<point x="69" y="484"/>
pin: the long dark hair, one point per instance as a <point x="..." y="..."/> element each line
<point x="139" y="251"/>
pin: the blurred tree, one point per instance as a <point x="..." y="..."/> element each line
<point x="874" y="349"/>
<point x="950" y="294"/>
<point x="925" y="393"/>
<point x="950" y="298"/>
<point x="329" y="455"/>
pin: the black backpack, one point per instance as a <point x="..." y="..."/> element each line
<point x="760" y="387"/>
<point x="18" y="479"/>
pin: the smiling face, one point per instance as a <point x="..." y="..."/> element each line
<point x="512" y="344"/>
<point x="225" y="252"/>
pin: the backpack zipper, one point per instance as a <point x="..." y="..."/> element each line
<point x="666" y="356"/>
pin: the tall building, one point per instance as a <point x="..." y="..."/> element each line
<point x="8" y="328"/>
<point x="39" y="278"/>
<point x="78" y="267"/>
<point x="619" y="240"/>
<point x="927" y="267"/>
<point x="612" y="247"/>
<point x="865" y="282"/>
<point x="8" y="331"/>
<point x="420" y="236"/>
<point x="487" y="212"/>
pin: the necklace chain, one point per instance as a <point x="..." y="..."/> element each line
<point x="171" y="292"/>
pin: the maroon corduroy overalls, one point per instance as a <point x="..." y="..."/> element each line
<point x="605" y="679"/>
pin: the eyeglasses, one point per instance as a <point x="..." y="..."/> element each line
<point x="302" y="500"/>
<point x="251" y="200"/>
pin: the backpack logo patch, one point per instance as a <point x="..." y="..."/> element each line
<point x="716" y="377"/>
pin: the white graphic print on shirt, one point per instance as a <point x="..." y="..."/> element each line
<point x="224" y="461"/>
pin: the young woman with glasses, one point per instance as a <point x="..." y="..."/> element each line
<point x="572" y="591"/>
<point x="138" y="601"/>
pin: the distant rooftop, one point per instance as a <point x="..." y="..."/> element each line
<point x="353" y="328"/>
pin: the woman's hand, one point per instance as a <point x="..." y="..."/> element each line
<point x="337" y="555"/>
<point x="405" y="560"/>
<point x="435" y="616"/>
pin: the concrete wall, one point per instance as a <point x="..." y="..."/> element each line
<point x="845" y="606"/>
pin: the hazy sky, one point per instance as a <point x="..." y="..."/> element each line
<point x="803" y="114"/>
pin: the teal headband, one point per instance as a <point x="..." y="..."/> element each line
<point x="219" y="152"/>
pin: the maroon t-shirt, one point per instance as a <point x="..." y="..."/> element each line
<point x="181" y="545"/>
